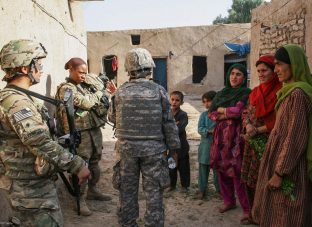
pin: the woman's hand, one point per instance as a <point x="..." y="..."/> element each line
<point x="221" y="110"/>
<point x="275" y="182"/>
<point x="251" y="130"/>
<point x="111" y="87"/>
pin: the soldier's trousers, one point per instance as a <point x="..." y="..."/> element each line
<point x="39" y="218"/>
<point x="155" y="177"/>
<point x="90" y="149"/>
<point x="35" y="203"/>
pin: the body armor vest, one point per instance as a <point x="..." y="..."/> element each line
<point x="139" y="111"/>
<point x="84" y="119"/>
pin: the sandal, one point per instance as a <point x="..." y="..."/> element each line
<point x="227" y="208"/>
<point x="246" y="220"/>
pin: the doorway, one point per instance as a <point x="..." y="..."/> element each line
<point x="199" y="68"/>
<point x="110" y="66"/>
<point x="160" y="72"/>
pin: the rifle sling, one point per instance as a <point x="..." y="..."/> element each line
<point x="36" y="95"/>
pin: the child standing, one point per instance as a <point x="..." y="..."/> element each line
<point x="205" y="129"/>
<point x="183" y="163"/>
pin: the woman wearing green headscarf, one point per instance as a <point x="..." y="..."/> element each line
<point x="226" y="151"/>
<point x="284" y="192"/>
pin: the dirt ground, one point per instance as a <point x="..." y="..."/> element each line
<point x="181" y="209"/>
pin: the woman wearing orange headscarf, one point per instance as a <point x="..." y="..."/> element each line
<point x="258" y="120"/>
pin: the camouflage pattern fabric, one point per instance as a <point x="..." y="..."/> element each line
<point x="39" y="218"/>
<point x="31" y="158"/>
<point x="143" y="155"/>
<point x="90" y="148"/>
<point x="139" y="104"/>
<point x="137" y="59"/>
<point x="20" y="53"/>
<point x="155" y="175"/>
<point x="169" y="128"/>
<point x="84" y="101"/>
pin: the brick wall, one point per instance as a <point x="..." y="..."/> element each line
<point x="277" y="23"/>
<point x="291" y="30"/>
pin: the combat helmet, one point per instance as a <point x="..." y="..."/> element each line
<point x="21" y="52"/>
<point x="139" y="63"/>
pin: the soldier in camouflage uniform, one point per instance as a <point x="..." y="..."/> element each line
<point x="145" y="129"/>
<point x="29" y="158"/>
<point x="91" y="104"/>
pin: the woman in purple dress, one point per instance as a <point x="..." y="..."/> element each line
<point x="227" y="149"/>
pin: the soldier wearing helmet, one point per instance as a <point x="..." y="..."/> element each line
<point x="145" y="129"/>
<point x="91" y="104"/>
<point x="29" y="158"/>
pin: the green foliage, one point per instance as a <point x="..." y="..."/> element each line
<point x="288" y="188"/>
<point x="257" y="143"/>
<point x="220" y="20"/>
<point x="239" y="13"/>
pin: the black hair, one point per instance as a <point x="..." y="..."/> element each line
<point x="74" y="63"/>
<point x="282" y="55"/>
<point x="178" y="93"/>
<point x="209" y="95"/>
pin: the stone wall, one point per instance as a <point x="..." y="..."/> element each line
<point x="183" y="42"/>
<point x="277" y="23"/>
<point x="57" y="24"/>
<point x="292" y="30"/>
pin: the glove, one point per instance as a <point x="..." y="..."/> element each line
<point x="105" y="101"/>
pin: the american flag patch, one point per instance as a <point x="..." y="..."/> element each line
<point x="22" y="114"/>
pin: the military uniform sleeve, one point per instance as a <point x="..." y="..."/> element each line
<point x="33" y="132"/>
<point x="112" y="110"/>
<point x="82" y="101"/>
<point x="169" y="126"/>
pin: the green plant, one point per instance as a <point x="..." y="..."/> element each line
<point x="257" y="143"/>
<point x="288" y="188"/>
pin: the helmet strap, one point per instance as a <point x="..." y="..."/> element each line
<point x="32" y="67"/>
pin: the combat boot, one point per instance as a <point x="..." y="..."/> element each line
<point x="84" y="209"/>
<point x="94" y="194"/>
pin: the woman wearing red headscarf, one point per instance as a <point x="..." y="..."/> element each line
<point x="258" y="121"/>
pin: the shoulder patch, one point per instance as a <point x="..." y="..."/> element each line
<point x="22" y="114"/>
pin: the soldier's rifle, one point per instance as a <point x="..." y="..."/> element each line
<point x="73" y="140"/>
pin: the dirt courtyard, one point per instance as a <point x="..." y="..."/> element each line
<point x="181" y="209"/>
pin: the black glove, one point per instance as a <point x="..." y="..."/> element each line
<point x="105" y="101"/>
<point x="90" y="87"/>
<point x="104" y="79"/>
